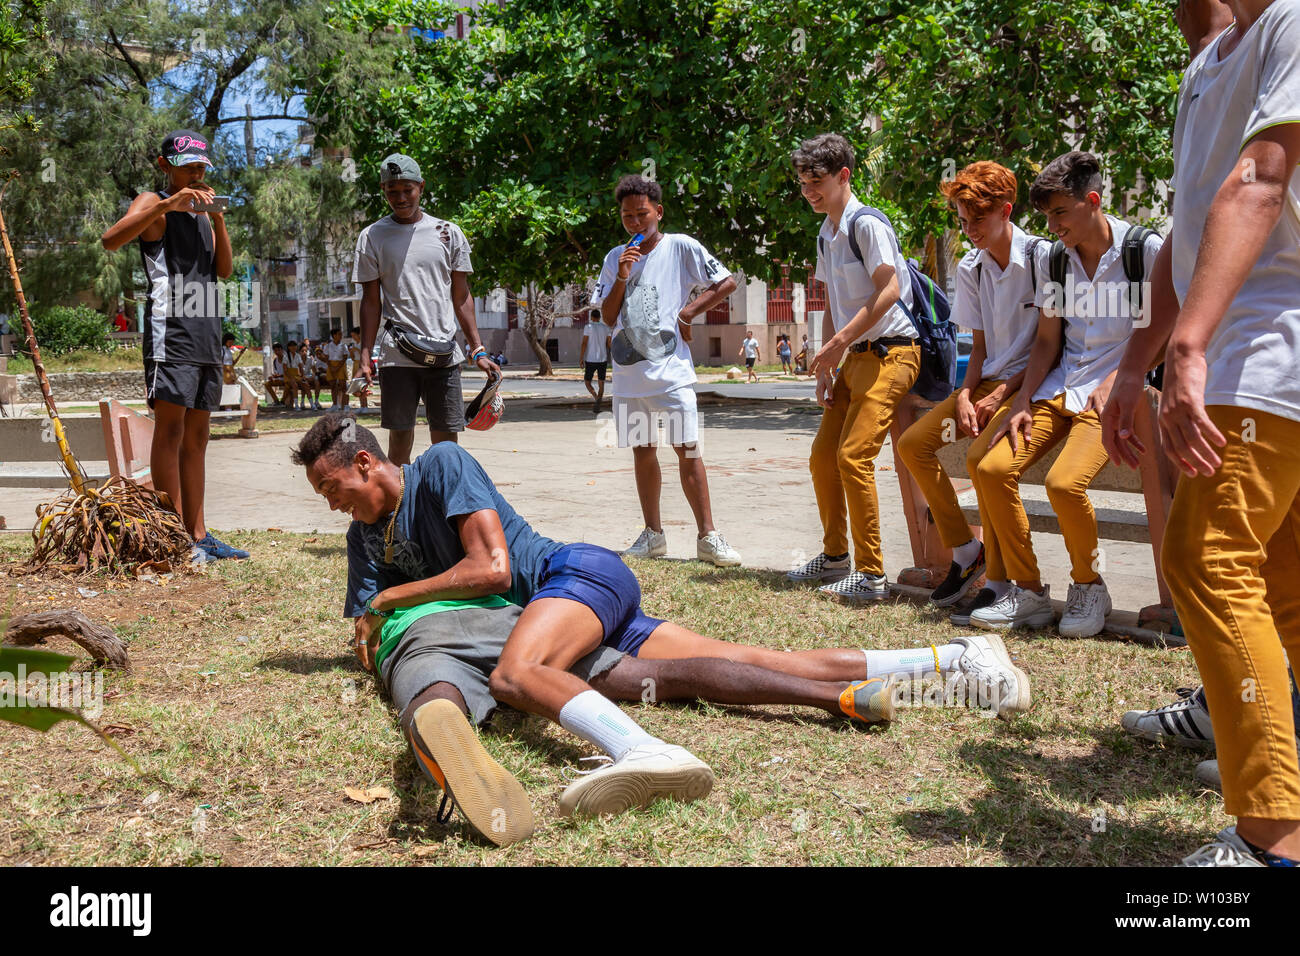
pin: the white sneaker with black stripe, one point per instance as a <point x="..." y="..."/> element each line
<point x="857" y="588"/>
<point x="821" y="568"/>
<point x="1228" y="850"/>
<point x="1184" y="723"/>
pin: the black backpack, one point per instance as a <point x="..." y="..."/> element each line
<point x="928" y="315"/>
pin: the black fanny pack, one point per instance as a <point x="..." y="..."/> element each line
<point x="435" y="353"/>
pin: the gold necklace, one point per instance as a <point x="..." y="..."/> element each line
<point x="392" y="522"/>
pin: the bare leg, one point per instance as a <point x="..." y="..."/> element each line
<point x="439" y="691"/>
<point x="720" y="681"/>
<point x="824" y="664"/>
<point x="165" y="453"/>
<point x="399" y="446"/>
<point x="649" y="482"/>
<point x="436" y="435"/>
<point x="551" y="635"/>
<point x="193" y="465"/>
<point x="695" y="484"/>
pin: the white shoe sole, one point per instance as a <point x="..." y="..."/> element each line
<point x="856" y="598"/>
<point x="648" y="554"/>
<point x="618" y="790"/>
<point x="826" y="577"/>
<point x="718" y="562"/>
<point x="1040" y="619"/>
<point x="1024" y="696"/>
<point x="490" y="798"/>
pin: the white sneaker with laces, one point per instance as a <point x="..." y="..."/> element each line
<point x="650" y="544"/>
<point x="1086" y="607"/>
<point x="713" y="548"/>
<point x="821" y="568"/>
<point x="992" y="681"/>
<point x="643" y="774"/>
<point x="857" y="587"/>
<point x="1228" y="850"/>
<point x="1017" y="608"/>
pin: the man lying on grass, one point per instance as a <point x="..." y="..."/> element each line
<point x="459" y="604"/>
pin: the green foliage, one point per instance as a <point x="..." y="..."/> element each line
<point x="22" y="59"/>
<point x="62" y="329"/>
<point x="523" y="129"/>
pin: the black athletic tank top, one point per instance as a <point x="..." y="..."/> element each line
<point x="182" y="317"/>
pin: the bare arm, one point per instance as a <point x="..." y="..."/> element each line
<point x="484" y="570"/>
<point x="224" y="258"/>
<point x="370" y="308"/>
<point x="885" y="280"/>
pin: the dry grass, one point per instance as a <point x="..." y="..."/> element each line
<point x="250" y="717"/>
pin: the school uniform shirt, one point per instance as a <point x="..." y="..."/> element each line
<point x="227" y="356"/>
<point x="413" y="263"/>
<point x="647" y="347"/>
<point x="1098" y="320"/>
<point x="294" y="361"/>
<point x="335" y="351"/>
<point x="1002" y="303"/>
<point x="848" y="281"/>
<point x="277" y="368"/>
<point x="597" y="333"/>
<point x="1253" y="359"/>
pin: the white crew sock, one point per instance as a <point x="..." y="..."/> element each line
<point x="913" y="662"/>
<point x="999" y="588"/>
<point x="965" y="554"/>
<point x="599" y="721"/>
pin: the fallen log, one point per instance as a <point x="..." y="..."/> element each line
<point x="103" y="645"/>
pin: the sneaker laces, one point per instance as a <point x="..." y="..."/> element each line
<point x="1218" y="853"/>
<point x="573" y="773"/>
<point x="643" y="540"/>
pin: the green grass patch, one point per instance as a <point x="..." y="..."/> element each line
<point x="250" y="717"/>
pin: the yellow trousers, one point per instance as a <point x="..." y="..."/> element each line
<point x="919" y="449"/>
<point x="997" y="483"/>
<point x="843" y="460"/>
<point x="1232" y="559"/>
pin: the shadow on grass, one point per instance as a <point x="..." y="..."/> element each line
<point x="1022" y="819"/>
<point x="310" y="663"/>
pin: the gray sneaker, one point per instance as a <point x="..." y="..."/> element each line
<point x="650" y="544"/>
<point x="714" y="549"/>
<point x="1017" y="608"/>
<point x="1086" y="607"/>
<point x="857" y="588"/>
<point x="1228" y="850"/>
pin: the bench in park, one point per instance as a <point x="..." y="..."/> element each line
<point x="114" y="442"/>
<point x="1155" y="481"/>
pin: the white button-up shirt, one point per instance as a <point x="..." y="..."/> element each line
<point x="848" y="281"/>
<point x="1002" y="303"/>
<point x="1098" y="319"/>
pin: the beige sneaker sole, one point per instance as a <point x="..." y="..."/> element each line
<point x="614" y="791"/>
<point x="490" y="798"/>
<point x="1024" y="697"/>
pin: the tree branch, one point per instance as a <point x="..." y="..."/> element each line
<point x="269" y="116"/>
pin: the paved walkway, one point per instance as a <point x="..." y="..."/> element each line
<point x="558" y="465"/>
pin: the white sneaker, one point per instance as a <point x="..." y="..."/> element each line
<point x="713" y="548"/>
<point x="857" y="587"/>
<point x="992" y="681"/>
<point x="1185" y="722"/>
<point x="1086" y="607"/>
<point x="1017" y="608"/>
<point x="1207" y="775"/>
<point x="643" y="775"/>
<point x="1228" y="850"/>
<point x="651" y="544"/>
<point x="821" y="568"/>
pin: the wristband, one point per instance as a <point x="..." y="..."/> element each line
<point x="371" y="609"/>
<point x="479" y="353"/>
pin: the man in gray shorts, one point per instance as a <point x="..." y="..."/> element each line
<point x="413" y="271"/>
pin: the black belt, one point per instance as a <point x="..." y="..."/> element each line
<point x="882" y="346"/>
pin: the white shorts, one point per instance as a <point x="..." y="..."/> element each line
<point x="638" y="419"/>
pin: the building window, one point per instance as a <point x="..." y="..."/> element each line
<point x="715" y="346"/>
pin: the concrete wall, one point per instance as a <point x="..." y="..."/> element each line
<point x="92" y="386"/>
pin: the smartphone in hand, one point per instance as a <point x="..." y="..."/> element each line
<point x="635" y="241"/>
<point x="217" y="204"/>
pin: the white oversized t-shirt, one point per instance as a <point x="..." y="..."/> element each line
<point x="597" y="333"/>
<point x="647" y="347"/>
<point x="848" y="280"/>
<point x="1099" y="318"/>
<point x="751" y="348"/>
<point x="413" y="263"/>
<point x="1253" y="359"/>
<point x="1002" y="303"/>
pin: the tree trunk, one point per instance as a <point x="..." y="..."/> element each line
<point x="104" y="646"/>
<point x="530" y="331"/>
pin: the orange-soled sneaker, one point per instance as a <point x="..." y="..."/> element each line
<point x="447" y="749"/>
<point x="871" y="701"/>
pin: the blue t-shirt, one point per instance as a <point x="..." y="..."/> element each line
<point x="442" y="483"/>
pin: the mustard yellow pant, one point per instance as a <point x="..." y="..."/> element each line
<point x="996" y="477"/>
<point x="1232" y="559"/>
<point x="843" y="460"/>
<point x="919" y="449"/>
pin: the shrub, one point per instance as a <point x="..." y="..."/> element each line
<point x="61" y="329"/>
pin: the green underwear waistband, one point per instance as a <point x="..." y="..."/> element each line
<point x="403" y="617"/>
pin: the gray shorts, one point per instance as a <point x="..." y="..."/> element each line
<point x="462" y="648"/>
<point x="403" y="388"/>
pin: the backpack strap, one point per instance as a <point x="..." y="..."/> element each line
<point x="1131" y="251"/>
<point x="853" y="232"/>
<point x="1057" y="263"/>
<point x="1031" y="250"/>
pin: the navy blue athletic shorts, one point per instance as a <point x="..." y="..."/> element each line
<point x="598" y="578"/>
